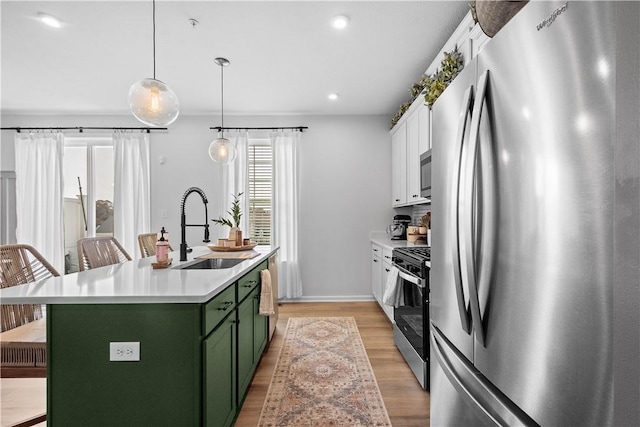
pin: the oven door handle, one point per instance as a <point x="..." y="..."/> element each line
<point x="405" y="275"/>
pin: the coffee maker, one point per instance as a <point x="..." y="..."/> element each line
<point x="398" y="229"/>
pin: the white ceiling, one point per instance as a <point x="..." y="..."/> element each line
<point x="285" y="57"/>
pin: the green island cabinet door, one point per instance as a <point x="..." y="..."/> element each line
<point x="260" y="328"/>
<point x="245" y="345"/>
<point x="220" y="403"/>
<point x="252" y="340"/>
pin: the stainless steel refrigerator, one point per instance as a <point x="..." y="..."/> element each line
<point x="525" y="194"/>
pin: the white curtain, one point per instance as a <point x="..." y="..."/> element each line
<point x="39" y="198"/>
<point x="132" y="200"/>
<point x="285" y="211"/>
<point x="233" y="180"/>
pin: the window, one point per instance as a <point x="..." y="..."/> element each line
<point x="87" y="171"/>
<point x="260" y="165"/>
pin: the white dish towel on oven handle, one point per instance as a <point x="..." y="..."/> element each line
<point x="393" y="290"/>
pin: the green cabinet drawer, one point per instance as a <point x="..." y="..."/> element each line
<point x="250" y="280"/>
<point x="218" y="308"/>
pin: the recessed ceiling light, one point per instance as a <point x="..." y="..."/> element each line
<point x="339" y="22"/>
<point x="333" y="96"/>
<point x="49" y="20"/>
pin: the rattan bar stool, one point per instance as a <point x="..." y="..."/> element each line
<point x="96" y="252"/>
<point x="23" y="345"/>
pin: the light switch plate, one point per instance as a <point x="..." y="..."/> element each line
<point x="124" y="351"/>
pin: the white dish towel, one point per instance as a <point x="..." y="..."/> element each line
<point x="392" y="290"/>
<point x="266" y="294"/>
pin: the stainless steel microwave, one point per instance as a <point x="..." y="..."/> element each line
<point x="425" y="174"/>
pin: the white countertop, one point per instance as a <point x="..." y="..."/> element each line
<point x="135" y="282"/>
<point x="381" y="238"/>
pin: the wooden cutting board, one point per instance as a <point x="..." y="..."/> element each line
<point x="233" y="255"/>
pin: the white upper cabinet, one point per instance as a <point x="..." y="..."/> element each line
<point x="399" y="165"/>
<point x="418" y="132"/>
<point x="411" y="136"/>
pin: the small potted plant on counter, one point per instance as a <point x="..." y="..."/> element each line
<point x="235" y="234"/>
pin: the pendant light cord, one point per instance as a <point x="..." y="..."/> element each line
<point x="154" y="39"/>
<point x="222" y="95"/>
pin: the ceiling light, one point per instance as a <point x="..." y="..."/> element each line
<point x="150" y="100"/>
<point x="333" y="96"/>
<point x="221" y="150"/>
<point x="49" y="20"/>
<point x="339" y="22"/>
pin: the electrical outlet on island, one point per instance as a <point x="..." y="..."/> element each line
<point x="124" y="351"/>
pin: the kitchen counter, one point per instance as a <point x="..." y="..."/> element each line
<point x="135" y="282"/>
<point x="381" y="238"/>
<point x="119" y="337"/>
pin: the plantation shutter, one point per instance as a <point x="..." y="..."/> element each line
<point x="260" y="164"/>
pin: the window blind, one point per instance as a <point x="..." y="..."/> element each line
<point x="260" y="164"/>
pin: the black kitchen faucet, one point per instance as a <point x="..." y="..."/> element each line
<point x="184" y="225"/>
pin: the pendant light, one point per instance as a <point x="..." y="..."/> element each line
<point x="150" y="100"/>
<point x="221" y="149"/>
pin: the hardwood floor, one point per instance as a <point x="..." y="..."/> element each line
<point x="22" y="399"/>
<point x="406" y="402"/>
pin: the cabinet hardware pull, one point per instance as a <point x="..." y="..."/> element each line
<point x="225" y="306"/>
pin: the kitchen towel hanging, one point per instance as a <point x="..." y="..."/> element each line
<point x="392" y="291"/>
<point x="266" y="295"/>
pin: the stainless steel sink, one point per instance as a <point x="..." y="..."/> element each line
<point x="209" y="264"/>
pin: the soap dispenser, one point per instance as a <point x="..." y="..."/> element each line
<point x="162" y="247"/>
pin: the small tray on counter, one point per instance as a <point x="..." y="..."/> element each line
<point x="157" y="265"/>
<point x="232" y="248"/>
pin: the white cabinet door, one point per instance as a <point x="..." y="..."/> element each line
<point x="399" y="166"/>
<point x="418" y="131"/>
<point x="376" y="272"/>
<point x="478" y="40"/>
<point x="386" y="268"/>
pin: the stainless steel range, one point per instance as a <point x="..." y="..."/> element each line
<point x="411" y="316"/>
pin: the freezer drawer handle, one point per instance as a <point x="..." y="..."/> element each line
<point x="488" y="403"/>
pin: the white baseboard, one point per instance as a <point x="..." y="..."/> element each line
<point x="341" y="298"/>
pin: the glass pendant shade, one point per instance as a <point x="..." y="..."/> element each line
<point x="223" y="151"/>
<point x="153" y="102"/>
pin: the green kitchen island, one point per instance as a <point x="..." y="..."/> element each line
<point x="128" y="345"/>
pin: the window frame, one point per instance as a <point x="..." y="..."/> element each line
<point x="253" y="142"/>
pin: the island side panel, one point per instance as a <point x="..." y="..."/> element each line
<point x="85" y="388"/>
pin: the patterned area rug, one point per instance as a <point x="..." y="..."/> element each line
<point x="323" y="378"/>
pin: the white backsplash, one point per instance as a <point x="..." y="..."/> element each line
<point x="417" y="212"/>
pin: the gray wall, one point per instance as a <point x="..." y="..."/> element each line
<point x="345" y="187"/>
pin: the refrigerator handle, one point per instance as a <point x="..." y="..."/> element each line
<point x="486" y="195"/>
<point x="465" y="112"/>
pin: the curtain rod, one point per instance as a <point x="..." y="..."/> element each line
<point x="82" y="128"/>
<point x="300" y="128"/>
